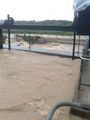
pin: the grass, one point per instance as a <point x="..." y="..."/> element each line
<point x="40" y="32"/>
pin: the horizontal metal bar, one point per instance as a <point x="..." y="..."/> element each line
<point x="84" y="107"/>
<point x="39" y="27"/>
<point x="85" y="84"/>
<point x="84" y="58"/>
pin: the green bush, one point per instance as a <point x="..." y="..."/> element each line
<point x="31" y="39"/>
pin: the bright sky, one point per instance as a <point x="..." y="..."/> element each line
<point x="37" y="9"/>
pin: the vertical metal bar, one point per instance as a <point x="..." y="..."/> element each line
<point x="1" y="39"/>
<point x="80" y="77"/>
<point x="79" y="44"/>
<point x="29" y="42"/>
<point x="9" y="41"/>
<point x="74" y="40"/>
<point x="89" y="42"/>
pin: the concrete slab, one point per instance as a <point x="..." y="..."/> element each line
<point x="42" y="50"/>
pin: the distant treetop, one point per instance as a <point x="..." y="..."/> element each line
<point x="45" y="22"/>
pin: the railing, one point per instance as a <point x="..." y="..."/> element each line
<point x="84" y="58"/>
<point x="9" y="24"/>
<point x="38" y="27"/>
<point x="85" y="63"/>
<point x="79" y="106"/>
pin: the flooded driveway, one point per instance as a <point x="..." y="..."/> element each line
<point x="31" y="83"/>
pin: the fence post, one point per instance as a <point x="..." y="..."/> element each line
<point x="74" y="41"/>
<point x="1" y="39"/>
<point x="9" y="41"/>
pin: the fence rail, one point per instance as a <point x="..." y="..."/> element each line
<point x="39" y="27"/>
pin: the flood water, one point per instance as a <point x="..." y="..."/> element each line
<point x="31" y="83"/>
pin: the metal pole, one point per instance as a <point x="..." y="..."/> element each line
<point x="1" y="39"/>
<point x="79" y="44"/>
<point x="89" y="42"/>
<point x="81" y="107"/>
<point x="74" y="40"/>
<point x="29" y="42"/>
<point x="9" y="42"/>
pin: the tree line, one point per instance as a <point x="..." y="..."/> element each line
<point x="45" y="22"/>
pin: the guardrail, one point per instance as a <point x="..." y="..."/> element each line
<point x="85" y="108"/>
<point x="84" y="57"/>
<point x="9" y="24"/>
<point x="39" y="27"/>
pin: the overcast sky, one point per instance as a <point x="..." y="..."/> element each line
<point x="37" y="9"/>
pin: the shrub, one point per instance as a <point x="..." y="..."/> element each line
<point x="31" y="39"/>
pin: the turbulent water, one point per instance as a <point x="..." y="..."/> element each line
<point x="31" y="83"/>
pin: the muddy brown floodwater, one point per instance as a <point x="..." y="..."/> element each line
<point x="30" y="83"/>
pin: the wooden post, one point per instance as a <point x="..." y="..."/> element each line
<point x="1" y="39"/>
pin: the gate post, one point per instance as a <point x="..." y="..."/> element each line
<point x="74" y="40"/>
<point x="89" y="42"/>
<point x="1" y="39"/>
